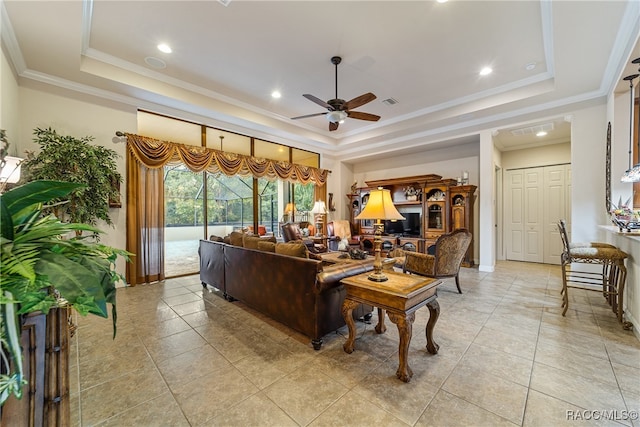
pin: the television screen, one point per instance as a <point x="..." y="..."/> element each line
<point x="393" y="227"/>
<point x="409" y="226"/>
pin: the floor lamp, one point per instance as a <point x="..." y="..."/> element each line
<point x="379" y="207"/>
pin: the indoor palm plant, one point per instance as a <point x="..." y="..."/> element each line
<point x="46" y="263"/>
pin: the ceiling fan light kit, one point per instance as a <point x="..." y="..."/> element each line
<point x="336" y="116"/>
<point x="339" y="109"/>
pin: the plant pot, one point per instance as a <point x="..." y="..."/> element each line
<point x="45" y="399"/>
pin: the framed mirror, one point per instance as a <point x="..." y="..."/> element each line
<point x="607" y="196"/>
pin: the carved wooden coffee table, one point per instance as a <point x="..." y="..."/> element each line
<point x="400" y="297"/>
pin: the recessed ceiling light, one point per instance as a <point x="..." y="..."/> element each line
<point x="541" y="133"/>
<point x="442" y="1"/>
<point x="162" y="47"/>
<point x="530" y="66"/>
<point x="276" y="94"/>
<point x="486" y="71"/>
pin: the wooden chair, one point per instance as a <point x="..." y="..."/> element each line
<point x="609" y="277"/>
<point x="449" y="252"/>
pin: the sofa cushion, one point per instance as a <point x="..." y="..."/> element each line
<point x="266" y="246"/>
<point x="250" y="241"/>
<point x="271" y="239"/>
<point x="235" y="238"/>
<point x="215" y="238"/>
<point x="296" y="249"/>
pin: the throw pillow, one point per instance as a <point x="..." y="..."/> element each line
<point x="250" y="242"/>
<point x="271" y="239"/>
<point x="266" y="246"/>
<point x="296" y="249"/>
<point x="215" y="238"/>
<point x="235" y="238"/>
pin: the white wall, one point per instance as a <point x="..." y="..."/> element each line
<point x="80" y="116"/>
<point x="588" y="148"/>
<point x="9" y="102"/>
<point x="539" y="156"/>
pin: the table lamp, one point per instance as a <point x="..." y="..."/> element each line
<point x="379" y="207"/>
<point x="318" y="210"/>
<point x="288" y="212"/>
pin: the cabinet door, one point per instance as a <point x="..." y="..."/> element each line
<point x="457" y="217"/>
<point x="436" y="216"/>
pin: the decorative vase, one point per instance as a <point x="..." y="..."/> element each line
<point x="412" y="198"/>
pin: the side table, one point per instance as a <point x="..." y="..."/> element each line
<point x="400" y="297"/>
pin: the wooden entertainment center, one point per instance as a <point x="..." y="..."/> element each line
<point x="442" y="204"/>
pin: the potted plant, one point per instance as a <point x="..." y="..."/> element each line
<point x="46" y="266"/>
<point x="69" y="159"/>
<point x="43" y="269"/>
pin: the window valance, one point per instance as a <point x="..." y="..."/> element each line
<point x="155" y="154"/>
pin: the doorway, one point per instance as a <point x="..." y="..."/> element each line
<point x="535" y="200"/>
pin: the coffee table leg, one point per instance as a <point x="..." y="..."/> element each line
<point x="405" y="327"/>
<point x="380" y="327"/>
<point x="434" y="313"/>
<point x="347" y="310"/>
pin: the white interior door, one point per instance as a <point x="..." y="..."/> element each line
<point x="555" y="208"/>
<point x="533" y="219"/>
<point x="535" y="200"/>
<point x="514" y="215"/>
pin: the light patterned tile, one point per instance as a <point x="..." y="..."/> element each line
<point x="305" y="394"/>
<point x="572" y="388"/>
<point x="480" y="387"/>
<point x="448" y="410"/>
<point x="162" y="410"/>
<point x="361" y="413"/>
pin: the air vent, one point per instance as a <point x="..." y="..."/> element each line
<point x="390" y="101"/>
<point x="532" y="130"/>
<point x="155" y="62"/>
<point x="224" y="2"/>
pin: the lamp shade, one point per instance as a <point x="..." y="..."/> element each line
<point x="10" y="173"/>
<point x="319" y="208"/>
<point x="380" y="206"/>
<point x="289" y="208"/>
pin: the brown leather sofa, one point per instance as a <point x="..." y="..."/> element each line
<point x="301" y="293"/>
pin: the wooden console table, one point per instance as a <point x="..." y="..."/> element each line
<point x="400" y="297"/>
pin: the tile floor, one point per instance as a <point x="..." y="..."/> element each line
<point x="184" y="357"/>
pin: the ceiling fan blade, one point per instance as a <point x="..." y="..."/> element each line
<point x="309" y="115"/>
<point x="318" y="101"/>
<point x="363" y="116"/>
<point x="360" y="100"/>
<point x="333" y="126"/>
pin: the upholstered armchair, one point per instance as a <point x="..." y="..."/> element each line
<point x="338" y="230"/>
<point x="449" y="252"/>
<point x="292" y="231"/>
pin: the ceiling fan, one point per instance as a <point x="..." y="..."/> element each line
<point x="339" y="109"/>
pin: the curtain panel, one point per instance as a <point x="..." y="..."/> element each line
<point x="145" y="222"/>
<point x="154" y="154"/>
